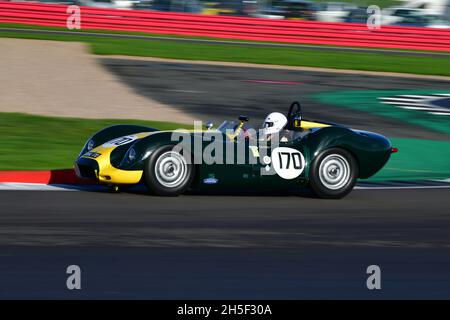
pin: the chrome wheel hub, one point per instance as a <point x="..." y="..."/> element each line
<point x="171" y="169"/>
<point x="334" y="171"/>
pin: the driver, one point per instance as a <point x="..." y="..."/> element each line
<point x="274" y="125"/>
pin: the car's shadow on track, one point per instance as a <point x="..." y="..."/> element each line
<point x="142" y="190"/>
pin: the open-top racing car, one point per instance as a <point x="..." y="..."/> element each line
<point x="327" y="157"/>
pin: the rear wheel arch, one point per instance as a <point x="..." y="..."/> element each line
<point x="355" y="156"/>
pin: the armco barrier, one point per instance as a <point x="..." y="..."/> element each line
<point x="240" y="28"/>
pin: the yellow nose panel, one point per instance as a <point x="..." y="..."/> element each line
<point x="107" y="172"/>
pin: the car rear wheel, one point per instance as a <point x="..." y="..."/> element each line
<point x="167" y="172"/>
<point x="333" y="173"/>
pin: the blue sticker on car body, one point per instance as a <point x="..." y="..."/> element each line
<point x="210" y="181"/>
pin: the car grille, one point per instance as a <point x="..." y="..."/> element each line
<point x="86" y="168"/>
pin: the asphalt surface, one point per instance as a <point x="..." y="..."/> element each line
<point x="217" y="93"/>
<point x="133" y="245"/>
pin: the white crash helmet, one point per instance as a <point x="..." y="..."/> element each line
<point x="273" y="123"/>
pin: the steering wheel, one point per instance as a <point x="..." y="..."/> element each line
<point x="295" y="112"/>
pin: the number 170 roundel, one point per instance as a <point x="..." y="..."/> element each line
<point x="287" y="162"/>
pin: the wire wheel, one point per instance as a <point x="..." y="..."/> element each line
<point x="334" y="171"/>
<point x="170" y="169"/>
<point x="168" y="172"/>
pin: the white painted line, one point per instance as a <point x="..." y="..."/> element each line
<point x="423" y="108"/>
<point x="413" y="104"/>
<point x="31" y="187"/>
<point x="401" y="187"/>
<point x="406" y="103"/>
<point x="441" y="113"/>
<point x="413" y="96"/>
<point x="15" y="186"/>
<point x="401" y="99"/>
<point x="416" y="108"/>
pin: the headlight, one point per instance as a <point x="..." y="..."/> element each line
<point x="131" y="155"/>
<point x="90" y="145"/>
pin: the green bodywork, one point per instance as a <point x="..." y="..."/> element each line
<point x="371" y="151"/>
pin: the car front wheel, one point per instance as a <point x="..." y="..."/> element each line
<point x="167" y="172"/>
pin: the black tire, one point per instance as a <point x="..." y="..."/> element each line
<point x="333" y="173"/>
<point x="157" y="178"/>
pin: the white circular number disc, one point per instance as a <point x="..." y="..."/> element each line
<point x="287" y="162"/>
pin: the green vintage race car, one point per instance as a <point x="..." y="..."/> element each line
<point x="234" y="157"/>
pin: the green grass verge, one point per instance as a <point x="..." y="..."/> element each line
<point x="35" y="142"/>
<point x="30" y="142"/>
<point x="250" y="54"/>
<point x="367" y="101"/>
<point x="26" y="27"/>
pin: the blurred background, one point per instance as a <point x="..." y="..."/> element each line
<point x="424" y="13"/>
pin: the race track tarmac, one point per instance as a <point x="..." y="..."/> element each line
<point x="133" y="245"/>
